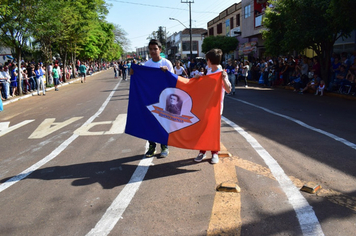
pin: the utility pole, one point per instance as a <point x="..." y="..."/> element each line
<point x="190" y="25"/>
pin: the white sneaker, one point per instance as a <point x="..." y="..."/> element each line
<point x="214" y="159"/>
<point x="200" y="157"/>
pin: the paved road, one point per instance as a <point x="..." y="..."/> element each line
<point x="66" y="168"/>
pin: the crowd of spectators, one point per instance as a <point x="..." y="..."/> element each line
<point x="35" y="77"/>
<point x="301" y="72"/>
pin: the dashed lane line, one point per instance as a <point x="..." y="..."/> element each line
<point x="118" y="206"/>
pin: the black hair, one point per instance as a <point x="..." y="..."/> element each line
<point x="155" y="42"/>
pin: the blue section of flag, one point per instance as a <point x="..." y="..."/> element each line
<point x="146" y="85"/>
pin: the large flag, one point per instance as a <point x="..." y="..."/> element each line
<point x="169" y="109"/>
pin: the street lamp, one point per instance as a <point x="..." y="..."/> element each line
<point x="190" y="35"/>
<point x="178" y="21"/>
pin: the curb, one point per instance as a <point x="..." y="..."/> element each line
<point x="18" y="98"/>
<point x="329" y="94"/>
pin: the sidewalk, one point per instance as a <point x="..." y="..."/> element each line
<point x="20" y="97"/>
<point x="330" y="94"/>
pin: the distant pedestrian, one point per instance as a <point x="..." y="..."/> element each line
<point x="83" y="72"/>
<point x="39" y="78"/>
<point x="116" y="69"/>
<point x="55" y="73"/>
<point x="13" y="79"/>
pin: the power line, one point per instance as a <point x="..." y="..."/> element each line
<point x="148" y="5"/>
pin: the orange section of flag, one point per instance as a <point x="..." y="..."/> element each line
<point x="206" y="95"/>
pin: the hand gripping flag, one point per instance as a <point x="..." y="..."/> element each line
<point x="169" y="109"/>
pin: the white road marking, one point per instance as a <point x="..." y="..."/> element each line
<point x="117" y="127"/>
<point x="4" y="126"/>
<point x="114" y="213"/>
<point x="56" y="151"/>
<point x="336" y="138"/>
<point x="306" y="216"/>
<point x="48" y="126"/>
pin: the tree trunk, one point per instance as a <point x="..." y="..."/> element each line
<point x="19" y="78"/>
<point x="65" y="67"/>
<point x="325" y="62"/>
<point x="73" y="64"/>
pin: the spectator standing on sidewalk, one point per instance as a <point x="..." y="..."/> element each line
<point x="245" y="70"/>
<point x="230" y="70"/>
<point x="55" y="73"/>
<point x="31" y="76"/>
<point x="5" y="80"/>
<point x="39" y="78"/>
<point x="26" y="84"/>
<point x="124" y="70"/>
<point x="13" y="79"/>
<point x="4" y="84"/>
<point x="50" y="76"/>
<point x="116" y="69"/>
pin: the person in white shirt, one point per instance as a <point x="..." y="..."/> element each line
<point x="194" y="72"/>
<point x="5" y="81"/>
<point x="156" y="61"/>
<point x="179" y="70"/>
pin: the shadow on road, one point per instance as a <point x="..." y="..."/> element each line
<point x="108" y="174"/>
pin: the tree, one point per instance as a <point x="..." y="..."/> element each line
<point x="160" y="35"/>
<point x="294" y="25"/>
<point x="226" y="44"/>
<point x="45" y="26"/>
<point x="15" y="26"/>
<point x="120" y="38"/>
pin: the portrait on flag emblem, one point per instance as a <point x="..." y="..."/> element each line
<point x="173" y="111"/>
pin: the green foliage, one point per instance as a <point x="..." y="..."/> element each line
<point x="14" y="23"/>
<point x="160" y="35"/>
<point x="226" y="44"/>
<point x="294" y="25"/>
<point x="66" y="27"/>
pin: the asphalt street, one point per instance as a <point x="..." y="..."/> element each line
<point x="68" y="168"/>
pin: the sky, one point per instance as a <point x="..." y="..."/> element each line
<point x="139" y="18"/>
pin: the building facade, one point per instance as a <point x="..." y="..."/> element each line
<point x="142" y="53"/>
<point x="227" y="23"/>
<point x="242" y="20"/>
<point x="5" y="55"/>
<point x="178" y="44"/>
<point x="252" y="15"/>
